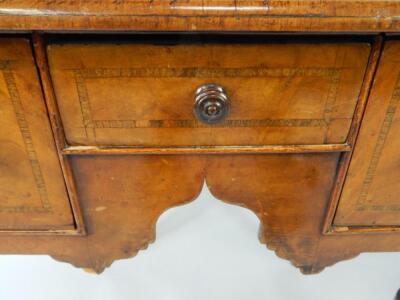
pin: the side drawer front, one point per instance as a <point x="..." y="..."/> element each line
<point x="33" y="195"/>
<point x="371" y="194"/>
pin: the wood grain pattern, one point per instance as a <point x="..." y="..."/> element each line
<point x="345" y="159"/>
<point x="39" y="51"/>
<point x="287" y="186"/>
<point x="90" y="150"/>
<point x="280" y="94"/>
<point x="32" y="193"/>
<point x="202" y="15"/>
<point x="123" y="196"/>
<point x="370" y="193"/>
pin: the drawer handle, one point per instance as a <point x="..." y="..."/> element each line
<point x="211" y="103"/>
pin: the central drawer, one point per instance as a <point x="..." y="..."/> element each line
<point x="143" y="94"/>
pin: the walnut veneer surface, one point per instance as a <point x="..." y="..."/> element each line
<point x="200" y="15"/>
<point x="98" y="136"/>
<point x="32" y="185"/>
<point x="280" y="94"/>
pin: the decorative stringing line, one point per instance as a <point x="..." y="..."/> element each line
<point x="84" y="104"/>
<point x="204" y="72"/>
<point x="376" y="155"/>
<point x="376" y="207"/>
<point x="29" y="147"/>
<point x="90" y="125"/>
<point x="330" y="103"/>
<point x="335" y="77"/>
<point x="131" y="124"/>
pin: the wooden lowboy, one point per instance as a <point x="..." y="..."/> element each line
<point x="112" y="112"/>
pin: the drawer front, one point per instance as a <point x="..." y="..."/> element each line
<point x="32" y="190"/>
<point x="143" y="95"/>
<point x="371" y="193"/>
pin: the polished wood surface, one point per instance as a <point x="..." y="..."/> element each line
<point x="39" y="51"/>
<point x="371" y="192"/>
<point x="32" y="190"/>
<point x="328" y="226"/>
<point x="202" y="15"/>
<point x="123" y="196"/>
<point x="292" y="181"/>
<point x="280" y="94"/>
<point x="88" y="150"/>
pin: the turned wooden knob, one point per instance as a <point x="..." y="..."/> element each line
<point x="211" y="104"/>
